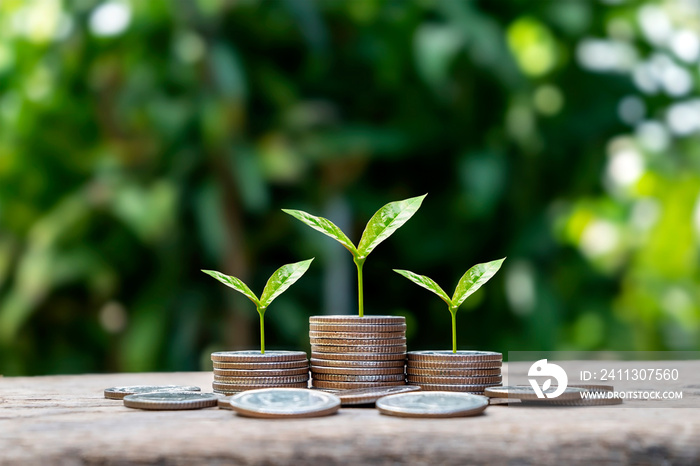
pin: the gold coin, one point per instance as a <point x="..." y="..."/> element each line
<point x="262" y="380"/>
<point x="357" y="335"/>
<point x="446" y="355"/>
<point x="261" y="373"/>
<point x="349" y="342"/>
<point x="453" y="372"/>
<point x="347" y="385"/>
<point x="359" y="356"/>
<point x="400" y="349"/>
<point x="261" y="365"/>
<point x="417" y="379"/>
<point x="229" y="389"/>
<point x="356" y="363"/>
<point x="359" y="378"/>
<point x="357" y="371"/>
<point x="358" y="328"/>
<point x="357" y="320"/>
<point x="461" y="365"/>
<point x="471" y="388"/>
<point x="257" y="356"/>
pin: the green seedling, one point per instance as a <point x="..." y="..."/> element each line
<point x="283" y="278"/>
<point x="383" y="224"/>
<point x="468" y="284"/>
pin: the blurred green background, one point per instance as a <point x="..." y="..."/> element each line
<point x="143" y="141"/>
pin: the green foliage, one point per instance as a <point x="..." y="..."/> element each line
<point x="383" y="224"/>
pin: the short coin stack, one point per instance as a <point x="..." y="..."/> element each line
<point x="357" y="352"/>
<point x="463" y="371"/>
<point x="237" y="371"/>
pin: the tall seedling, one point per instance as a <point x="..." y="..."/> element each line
<point x="383" y="224"/>
<point x="283" y="278"/>
<point x="468" y="284"/>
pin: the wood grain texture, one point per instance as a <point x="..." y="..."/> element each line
<point x="66" y="420"/>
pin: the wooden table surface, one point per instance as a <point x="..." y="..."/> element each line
<point x="66" y="420"/>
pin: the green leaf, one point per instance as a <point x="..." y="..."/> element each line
<point x="427" y="283"/>
<point x="283" y="278"/>
<point x="325" y="226"/>
<point x="473" y="279"/>
<point x="234" y="283"/>
<point x="386" y="221"/>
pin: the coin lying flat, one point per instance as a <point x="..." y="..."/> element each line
<point x="171" y="400"/>
<point x="262" y="380"/>
<point x="374" y="320"/>
<point x="257" y="356"/>
<point x="432" y="404"/>
<point x="224" y="402"/>
<point x="454" y="380"/>
<point x="401" y="349"/>
<point x="443" y="387"/>
<point x="346" y="363"/>
<point x="362" y="396"/>
<point x="357" y="335"/>
<point x="359" y="356"/>
<point x="410" y="371"/>
<point x="284" y="403"/>
<point x="346" y="385"/>
<point x="594" y="387"/>
<point x="452" y="356"/>
<point x="118" y="393"/>
<point x="356" y="342"/>
<point x="446" y="365"/>
<point x="523" y="392"/>
<point x="229" y="389"/>
<point x="358" y="328"/>
<point x="359" y="378"/>
<point x="316" y="370"/>
<point x="262" y="365"/>
<point x="261" y="373"/>
<point x="581" y="402"/>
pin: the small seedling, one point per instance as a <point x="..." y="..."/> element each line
<point x="468" y="284"/>
<point x="383" y="224"/>
<point x="283" y="278"/>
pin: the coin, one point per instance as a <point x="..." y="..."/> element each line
<point x="118" y="393"/>
<point x="224" y="402"/>
<point x="229" y="389"/>
<point x="261" y="373"/>
<point x="357" y="363"/>
<point x="357" y="335"/>
<point x="432" y="404"/>
<point x="524" y="392"/>
<point x="359" y="378"/>
<point x="453" y="380"/>
<point x="171" y="400"/>
<point x="257" y="356"/>
<point x="581" y="402"/>
<point x="361" y="396"/>
<point x="453" y="372"/>
<point x="261" y="365"/>
<point x="359" y="349"/>
<point x="445" y="387"/>
<point x="285" y="403"/>
<point x="440" y="365"/>
<point x="446" y="355"/>
<point x="349" y="342"/>
<point x="358" y="328"/>
<point x="359" y="356"/>
<point x="346" y="385"/>
<point x="594" y="387"/>
<point x="356" y="371"/>
<point x="374" y="320"/>
<point x="262" y="380"/>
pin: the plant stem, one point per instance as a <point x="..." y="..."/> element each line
<point x="262" y="331"/>
<point x="360" y="292"/>
<point x="454" y="331"/>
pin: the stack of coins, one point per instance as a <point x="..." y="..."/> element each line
<point x="463" y="371"/>
<point x="357" y="352"/>
<point x="237" y="371"/>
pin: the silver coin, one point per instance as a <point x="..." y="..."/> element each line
<point x="118" y="393"/>
<point x="284" y="403"/>
<point x="525" y="392"/>
<point x="432" y="404"/>
<point x="361" y="396"/>
<point x="171" y="400"/>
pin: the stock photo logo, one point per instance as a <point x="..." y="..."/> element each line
<point x="542" y="368"/>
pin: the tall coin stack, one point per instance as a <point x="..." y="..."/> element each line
<point x="357" y="352"/>
<point x="237" y="371"/>
<point x="463" y="371"/>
